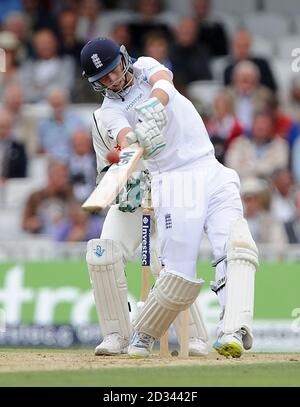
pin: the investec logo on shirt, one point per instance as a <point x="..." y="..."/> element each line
<point x="133" y="102"/>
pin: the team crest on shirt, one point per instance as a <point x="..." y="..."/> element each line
<point x="168" y="221"/>
<point x="96" y="60"/>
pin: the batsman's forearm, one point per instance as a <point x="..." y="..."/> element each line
<point x="161" y="95"/>
<point x="121" y="138"/>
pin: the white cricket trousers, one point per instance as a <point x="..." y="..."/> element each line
<point x="188" y="201"/>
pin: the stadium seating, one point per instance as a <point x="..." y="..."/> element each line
<point x="234" y="6"/>
<point x="270" y="25"/>
<point x="286" y="45"/>
<point x="282" y="6"/>
<point x="204" y="92"/>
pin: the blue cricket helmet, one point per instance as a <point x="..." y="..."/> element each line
<point x="99" y="57"/>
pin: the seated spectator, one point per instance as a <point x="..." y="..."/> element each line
<point x="9" y="72"/>
<point x="241" y="51"/>
<point x="248" y="95"/>
<point x="56" y="131"/>
<point x="295" y="161"/>
<point x="283" y="206"/>
<point x="7" y="7"/>
<point x="261" y="154"/>
<point x="294" y="99"/>
<point x="264" y="227"/>
<point x="156" y="46"/>
<point x="121" y="35"/>
<point x="78" y="226"/>
<point x="223" y="127"/>
<point x="13" y="159"/>
<point x="47" y="70"/>
<point x="82" y="165"/>
<point x="40" y="15"/>
<point x="17" y="23"/>
<point x="293" y="226"/>
<point x="190" y="60"/>
<point x="211" y="34"/>
<point x="148" y="19"/>
<point x="47" y="207"/>
<point x="92" y="20"/>
<point x="68" y="41"/>
<point x="24" y="123"/>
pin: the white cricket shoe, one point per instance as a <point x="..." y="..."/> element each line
<point x="230" y="344"/>
<point x="140" y="345"/>
<point x="113" y="344"/>
<point x="197" y="347"/>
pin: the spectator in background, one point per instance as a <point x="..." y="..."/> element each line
<point x="264" y="227"/>
<point x="261" y="154"/>
<point x="40" y="15"/>
<point x="294" y="98"/>
<point x="190" y="60"/>
<point x="69" y="44"/>
<point x="241" y="51"/>
<point x="148" y="19"/>
<point x="48" y="206"/>
<point x="78" y="226"/>
<point x="9" y="73"/>
<point x="293" y="226"/>
<point x="211" y="34"/>
<point x="82" y="165"/>
<point x="121" y="35"/>
<point x="47" y="70"/>
<point x="7" y="7"/>
<point x="283" y="206"/>
<point x="156" y="46"/>
<point x="92" y="21"/>
<point x="223" y="127"/>
<point x="17" y="24"/>
<point x="24" y="123"/>
<point x="13" y="159"/>
<point x="248" y="95"/>
<point x="295" y="160"/>
<point x="55" y="132"/>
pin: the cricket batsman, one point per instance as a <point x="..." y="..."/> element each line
<point x="106" y="257"/>
<point x="191" y="193"/>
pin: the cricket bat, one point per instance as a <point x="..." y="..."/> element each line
<point x="114" y="180"/>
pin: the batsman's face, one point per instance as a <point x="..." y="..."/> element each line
<point x="114" y="80"/>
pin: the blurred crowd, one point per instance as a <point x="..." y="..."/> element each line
<point x="253" y="130"/>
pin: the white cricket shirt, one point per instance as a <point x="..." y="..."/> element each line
<point x="187" y="140"/>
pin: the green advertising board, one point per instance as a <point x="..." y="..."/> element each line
<point x="59" y="293"/>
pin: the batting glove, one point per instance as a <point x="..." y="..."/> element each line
<point x="153" y="109"/>
<point x="148" y="135"/>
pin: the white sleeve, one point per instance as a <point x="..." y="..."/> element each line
<point x="114" y="121"/>
<point x="149" y="66"/>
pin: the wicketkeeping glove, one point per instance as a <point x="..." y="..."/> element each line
<point x="148" y="135"/>
<point x="153" y="109"/>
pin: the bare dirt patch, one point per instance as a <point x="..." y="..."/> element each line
<point x="39" y="360"/>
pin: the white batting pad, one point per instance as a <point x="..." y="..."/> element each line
<point x="242" y="262"/>
<point x="106" y="268"/>
<point x="197" y="328"/>
<point x="172" y="293"/>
